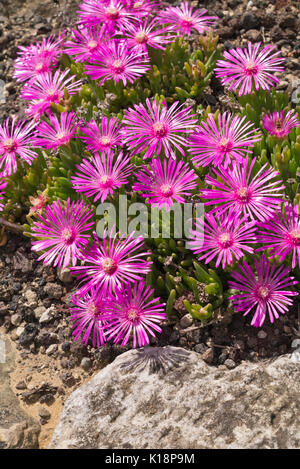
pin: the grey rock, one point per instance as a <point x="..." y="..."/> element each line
<point x="262" y="335"/>
<point x="185" y="405"/>
<point x="51" y="349"/>
<point x="31" y="298"/>
<point x="44" y="413"/>
<point x="64" y="275"/>
<point x="230" y="363"/>
<point x="48" y="315"/>
<point x="186" y="321"/>
<point x="16" y="319"/>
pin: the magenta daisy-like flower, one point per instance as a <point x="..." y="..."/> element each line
<point x="86" y="316"/>
<point x="282" y="234"/>
<point x="184" y="19"/>
<point x="37" y="59"/>
<point x="219" y="142"/>
<point x="164" y="184"/>
<point x="225" y="236"/>
<point x="59" y="133"/>
<point x="109" y="264"/>
<point x="144" y="34"/>
<point x="15" y="140"/>
<point x="63" y="232"/>
<point x="3" y="185"/>
<point x="264" y="291"/>
<point x="100" y="176"/>
<point x="104" y="138"/>
<point x="256" y="195"/>
<point x="155" y="127"/>
<point x="134" y="312"/>
<point x="115" y="61"/>
<point x="47" y="89"/>
<point x="245" y="67"/>
<point x="84" y="43"/>
<point x="279" y="124"/>
<point x="141" y="8"/>
<point x="113" y="14"/>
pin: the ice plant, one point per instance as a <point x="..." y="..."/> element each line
<point x="102" y="175"/>
<point x="86" y="314"/>
<point x="59" y="132"/>
<point x="84" y="42"/>
<point x="15" y="140"/>
<point x="238" y="187"/>
<point x="154" y="128"/>
<point x="279" y="124"/>
<point x="184" y="18"/>
<point x="225" y="236"/>
<point x="230" y="138"/>
<point x="165" y="182"/>
<point x="281" y="234"/>
<point x="3" y="185"/>
<point x="109" y="264"/>
<point x="62" y="232"/>
<point x="246" y="67"/>
<point x="37" y="59"/>
<point x="115" y="61"/>
<point x="147" y="34"/>
<point x="265" y="291"/>
<point x="47" y="89"/>
<point x="134" y="312"/>
<point x="113" y="15"/>
<point x="104" y="138"/>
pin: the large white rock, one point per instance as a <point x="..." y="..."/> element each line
<point x="169" y="398"/>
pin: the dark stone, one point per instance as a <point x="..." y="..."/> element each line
<point x="29" y="334"/>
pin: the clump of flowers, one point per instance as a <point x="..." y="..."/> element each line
<point x="115" y="108"/>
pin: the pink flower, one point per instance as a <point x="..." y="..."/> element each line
<point x="256" y="195"/>
<point x="84" y="43"/>
<point x="3" y="185"/>
<point x="59" y="133"/>
<point x="86" y="315"/>
<point x="281" y="234"/>
<point x="263" y="292"/>
<point x="63" y="233"/>
<point x="15" y="140"/>
<point x="101" y="176"/>
<point x="244" y="67"/>
<point x="103" y="139"/>
<point x="280" y="125"/>
<point x="37" y="59"/>
<point x="47" y="89"/>
<point x="184" y="19"/>
<point x="225" y="236"/>
<point x="115" y="61"/>
<point x="156" y="128"/>
<point x="110" y="264"/>
<point x="218" y="143"/>
<point x="144" y="34"/>
<point x="133" y="312"/>
<point x="164" y="184"/>
<point x="113" y="15"/>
